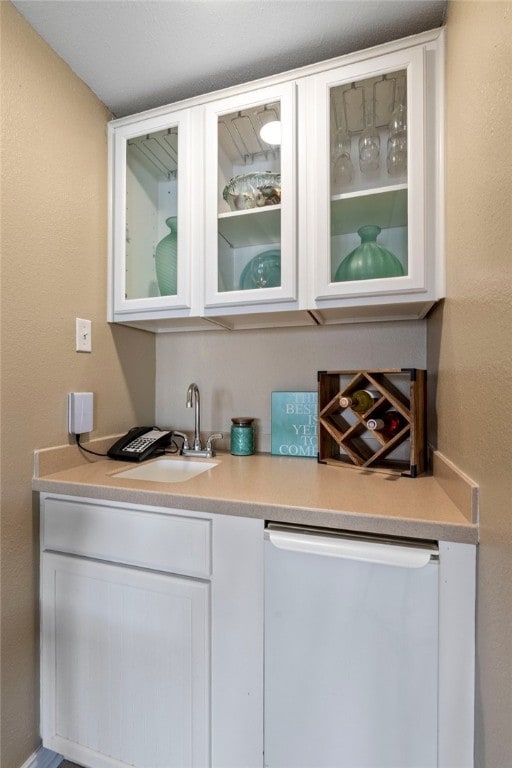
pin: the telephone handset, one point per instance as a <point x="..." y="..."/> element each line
<point x="140" y="443"/>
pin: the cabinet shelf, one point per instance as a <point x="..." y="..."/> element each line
<point x="387" y="208"/>
<point x="344" y="438"/>
<point x="252" y="227"/>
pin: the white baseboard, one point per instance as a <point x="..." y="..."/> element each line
<point x="43" y="758"/>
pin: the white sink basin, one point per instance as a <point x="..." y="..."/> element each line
<point x="167" y="470"/>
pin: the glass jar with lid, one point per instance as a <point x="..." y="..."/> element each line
<point x="242" y="436"/>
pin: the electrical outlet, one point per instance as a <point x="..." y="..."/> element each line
<point x="83" y="335"/>
<point x="80" y="412"/>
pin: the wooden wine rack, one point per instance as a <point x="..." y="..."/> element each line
<point x="343" y="438"/>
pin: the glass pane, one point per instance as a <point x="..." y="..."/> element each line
<point x="249" y="199"/>
<point x="368" y="178"/>
<point x="151" y="214"/>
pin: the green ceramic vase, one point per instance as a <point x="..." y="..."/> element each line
<point x="369" y="260"/>
<point x="166" y="260"/>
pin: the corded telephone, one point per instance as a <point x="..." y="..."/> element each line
<point x="140" y="443"/>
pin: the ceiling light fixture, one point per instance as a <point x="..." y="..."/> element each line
<point x="271" y="132"/>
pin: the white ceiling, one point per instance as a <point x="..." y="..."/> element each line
<point x="138" y="54"/>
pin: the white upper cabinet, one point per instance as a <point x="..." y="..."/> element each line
<point x="250" y="245"/>
<point x="337" y="218"/>
<point x="370" y="160"/>
<point x="153" y="243"/>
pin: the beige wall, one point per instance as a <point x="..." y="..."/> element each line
<point x="54" y="236"/>
<point x="469" y="339"/>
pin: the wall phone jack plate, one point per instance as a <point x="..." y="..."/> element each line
<point x="80" y="412"/>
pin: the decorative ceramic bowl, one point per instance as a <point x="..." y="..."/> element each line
<point x="263" y="271"/>
<point x="253" y="190"/>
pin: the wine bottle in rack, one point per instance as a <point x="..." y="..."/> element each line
<point x="389" y="424"/>
<point x="361" y="400"/>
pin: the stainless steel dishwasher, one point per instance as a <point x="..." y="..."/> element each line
<point x="351" y="650"/>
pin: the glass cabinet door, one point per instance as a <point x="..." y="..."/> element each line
<point x="371" y="175"/>
<point x="151" y="214"/>
<point x="250" y="198"/>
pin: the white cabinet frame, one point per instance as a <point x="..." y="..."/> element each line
<point x="151" y="307"/>
<point x="412" y="61"/>
<point x="457" y="655"/>
<point x="287" y="291"/>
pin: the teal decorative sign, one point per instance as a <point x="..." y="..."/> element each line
<point x="294" y="424"/>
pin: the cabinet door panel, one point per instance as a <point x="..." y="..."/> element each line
<point x="160" y="542"/>
<point x="368" y="162"/>
<point x="351" y="663"/>
<point x="125" y="665"/>
<point x="250" y="197"/>
<point x="151" y="201"/>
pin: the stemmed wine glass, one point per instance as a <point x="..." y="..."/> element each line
<point x="369" y="140"/>
<point x="397" y="141"/>
<point x="369" y="149"/>
<point x="342" y="168"/>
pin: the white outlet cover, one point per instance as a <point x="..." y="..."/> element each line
<point x="80" y="412"/>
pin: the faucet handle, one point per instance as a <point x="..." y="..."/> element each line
<point x="185" y="445"/>
<point x="216" y="436"/>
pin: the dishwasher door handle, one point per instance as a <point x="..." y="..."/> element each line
<point x="382" y="553"/>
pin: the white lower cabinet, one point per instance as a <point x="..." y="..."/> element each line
<point x="129" y="652"/>
<point x="160" y="648"/>
<point x="152" y="666"/>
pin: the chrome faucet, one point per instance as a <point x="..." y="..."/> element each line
<point x="193" y="392"/>
<point x="196" y="449"/>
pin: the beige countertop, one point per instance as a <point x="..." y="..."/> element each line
<point x="292" y="490"/>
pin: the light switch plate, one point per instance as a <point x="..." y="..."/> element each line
<point x="83" y="335"/>
<point x="80" y="412"/>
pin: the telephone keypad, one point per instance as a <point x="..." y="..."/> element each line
<point x="140" y="444"/>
